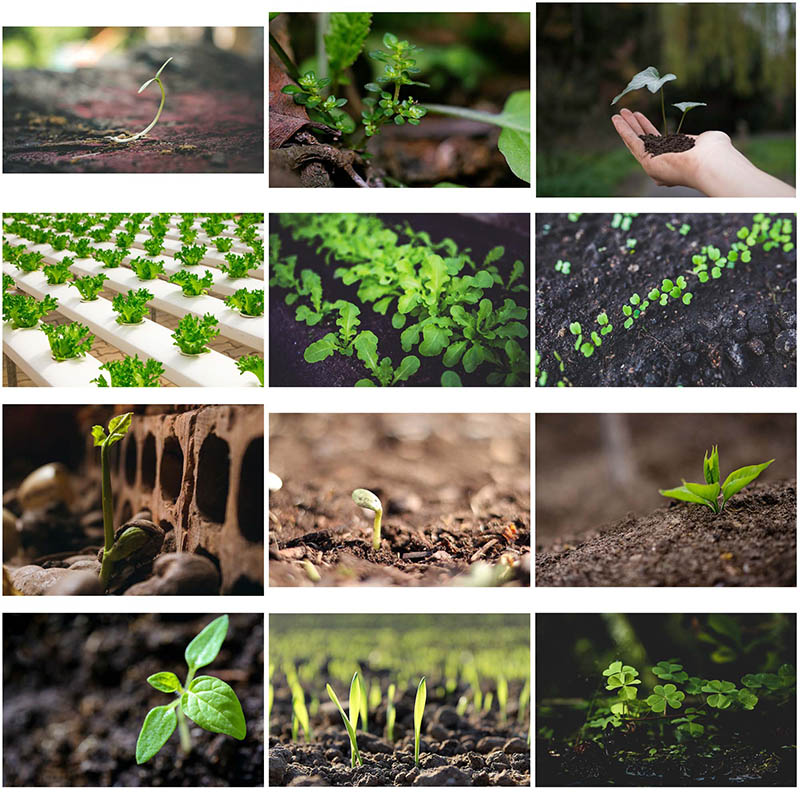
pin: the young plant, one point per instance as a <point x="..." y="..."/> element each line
<point x="58" y="273"/>
<point x="366" y="347"/>
<point x="23" y="311"/>
<point x="250" y="303"/>
<point x="254" y="364"/>
<point x="194" y="333"/>
<point x="223" y="244"/>
<point x="348" y="320"/>
<point x="132" y="306"/>
<point x="419" y="710"/>
<point x="111" y="259"/>
<point x="157" y="79"/>
<point x="207" y="701"/>
<point x="145" y="269"/>
<point x="192" y="284"/>
<point x="153" y="246"/>
<point x="708" y="494"/>
<point x="89" y="286"/>
<point x="685" y="107"/>
<point x="238" y="266"/>
<point x="391" y="713"/>
<point x="191" y="256"/>
<point x="351" y="722"/>
<point x="131" y="371"/>
<point x="30" y="261"/>
<point x="72" y="340"/>
<point x="366" y="499"/>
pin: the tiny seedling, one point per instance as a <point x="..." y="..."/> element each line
<point x="419" y="710"/>
<point x="685" y="107"/>
<point x="391" y="712"/>
<point x="366" y="499"/>
<point x="207" y="701"/>
<point x="366" y="347"/>
<point x="157" y="79"/>
<point x="351" y="722"/>
<point x="708" y="494"/>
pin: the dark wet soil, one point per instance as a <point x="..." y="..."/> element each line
<point x="75" y="695"/>
<point x="752" y="543"/>
<point x="455" y="491"/>
<point x="657" y="145"/>
<point x="740" y="329"/>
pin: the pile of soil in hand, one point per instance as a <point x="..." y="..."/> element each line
<point x="455" y="491"/>
<point x="454" y="750"/>
<point x="657" y="145"/>
<point x="752" y="543"/>
<point x="739" y="330"/>
<point x="288" y="338"/>
<point x="75" y="694"/>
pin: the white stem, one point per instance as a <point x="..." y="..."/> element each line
<point x="150" y="126"/>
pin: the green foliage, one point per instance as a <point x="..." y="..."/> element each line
<point x="238" y="266"/>
<point x="132" y="307"/>
<point x="191" y="283"/>
<point x="194" y="333"/>
<point x="146" y="269"/>
<point x="206" y="700"/>
<point x="252" y="363"/>
<point x="23" y="311"/>
<point x="341" y="342"/>
<point x="663" y="696"/>
<point x="344" y="41"/>
<point x="153" y="246"/>
<point x="58" y="273"/>
<point x="191" y="256"/>
<point x="71" y="340"/>
<point x="248" y="302"/>
<point x="89" y="286"/>
<point x="110" y="259"/>
<point x="351" y="721"/>
<point x="131" y="371"/>
<point x="419" y="710"/>
<point x="30" y="261"/>
<point x="708" y="494"/>
<point x="366" y="347"/>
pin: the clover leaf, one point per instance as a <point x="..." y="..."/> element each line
<point x="720" y="693"/>
<point x="669" y="671"/>
<point x="663" y="696"/>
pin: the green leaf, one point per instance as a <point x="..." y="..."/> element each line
<point x="473" y="358"/>
<point x="687" y="496"/>
<point x="711" y="466"/>
<point x="118" y="427"/>
<point x="319" y="350"/>
<point x="355" y="700"/>
<point x="165" y="682"/>
<point x="366" y="346"/>
<point x="345" y="38"/>
<point x="434" y="340"/>
<point x="213" y="705"/>
<point x="157" y="727"/>
<point x="350" y="729"/>
<point x="408" y="366"/>
<point x="650" y="78"/>
<point x="203" y="649"/>
<point x="739" y="478"/>
<point x="454" y="352"/>
<point x="688" y="106"/>
<point x="450" y="378"/>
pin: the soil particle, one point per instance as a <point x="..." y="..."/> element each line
<point x="752" y="543"/>
<point x="657" y="145"/>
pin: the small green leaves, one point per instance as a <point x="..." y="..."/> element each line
<point x="650" y="78"/>
<point x="669" y="671"/>
<point x="587" y="349"/>
<point x="619" y="675"/>
<point x="204" y="648"/>
<point x="575" y="328"/>
<point x="627" y="310"/>
<point x="349" y="722"/>
<point x="720" y="693"/>
<point x="711" y="465"/>
<point x="366" y="499"/>
<point x="634" y="299"/>
<point x="602" y="318"/>
<point x="628" y="323"/>
<point x="563" y="267"/>
<point x="117" y="428"/>
<point x="663" y="696"/>
<point x="158" y="726"/>
<point x="739" y="478"/>
<point x="165" y="682"/>
<point x="213" y="705"/>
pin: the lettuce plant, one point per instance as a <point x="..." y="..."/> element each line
<point x="366" y="499"/>
<point x="157" y="79"/>
<point x="89" y="286"/>
<point x="708" y="493"/>
<point x="191" y="256"/>
<point x="72" y="340"/>
<point x="146" y="269"/>
<point x="153" y="246"/>
<point x="132" y="307"/>
<point x="206" y="700"/>
<point x="23" y="311"/>
<point x="194" y="333"/>
<point x="248" y="302"/>
<point x="366" y="347"/>
<point x="223" y="244"/>
<point x="111" y="259"/>
<point x="130" y="371"/>
<point x="252" y="363"/>
<point x="341" y="342"/>
<point x="238" y="266"/>
<point x="30" y="261"/>
<point x="192" y="284"/>
<point x="58" y="273"/>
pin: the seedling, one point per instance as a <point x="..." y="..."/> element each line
<point x="153" y="246"/>
<point x="131" y="371"/>
<point x="191" y="256"/>
<point x="72" y="340"/>
<point x="223" y="244"/>
<point x="30" y="261"/>
<point x="238" y="266"/>
<point x="685" y="107"/>
<point x="132" y="306"/>
<point x="194" y="333"/>
<point x="391" y="712"/>
<point x="351" y="722"/>
<point x="366" y="347"/>
<point x="563" y="267"/>
<point x="348" y="320"/>
<point x="157" y="79"/>
<point x="419" y="710"/>
<point x="366" y="499"/>
<point x="254" y="364"/>
<point x="89" y="286"/>
<point x="708" y="494"/>
<point x="111" y="259"/>
<point x="207" y="701"/>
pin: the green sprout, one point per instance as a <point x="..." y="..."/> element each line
<point x="366" y="499"/>
<point x="708" y="494"/>
<point x="157" y="79"/>
<point x="685" y="107"/>
<point x="350" y="722"/>
<point x="419" y="710"/>
<point x="563" y="267"/>
<point x="391" y="712"/>
<point x="206" y="700"/>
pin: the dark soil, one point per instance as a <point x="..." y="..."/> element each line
<point x="752" y="543"/>
<point x="657" y="145"/>
<point x="75" y="695"/>
<point x="740" y="330"/>
<point x="288" y="339"/>
<point x="455" y="491"/>
<point x="212" y="119"/>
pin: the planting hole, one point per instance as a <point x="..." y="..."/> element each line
<point x="213" y="477"/>
<point x="171" y="469"/>
<point x="149" y="462"/>
<point x="250" y="502"/>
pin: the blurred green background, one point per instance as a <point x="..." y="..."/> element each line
<point x="737" y="58"/>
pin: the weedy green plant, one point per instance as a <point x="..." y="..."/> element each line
<point x="351" y="722"/>
<point x="419" y="710"/>
<point x="157" y="79"/>
<point x="131" y="371"/>
<point x="366" y="499"/>
<point x="132" y="307"/>
<point x="71" y="340"/>
<point x="191" y="283"/>
<point x="249" y="303"/>
<point x="146" y="269"/>
<point x="252" y="363"/>
<point x="23" y="311"/>
<point x="206" y="700"/>
<point x="89" y="286"/>
<point x="708" y="494"/>
<point x="194" y="333"/>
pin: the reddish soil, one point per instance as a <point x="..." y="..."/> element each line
<point x="455" y="491"/>
<point x="657" y="145"/>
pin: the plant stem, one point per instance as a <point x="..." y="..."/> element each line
<point x="376" y="531"/>
<point x="183" y="730"/>
<point x="680" y="124"/>
<point x="663" y="112"/>
<point x="396" y="92"/>
<point x="108" y="517"/>
<point x="291" y="69"/>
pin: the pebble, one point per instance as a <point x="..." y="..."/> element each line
<point x="32" y="580"/>
<point x="443" y="776"/>
<point x="44" y="486"/>
<point x="489" y="743"/>
<point x="447" y="717"/>
<point x="78" y="584"/>
<point x="516" y="745"/>
<point x="179" y="574"/>
<point x="758" y="323"/>
<point x="786" y="341"/>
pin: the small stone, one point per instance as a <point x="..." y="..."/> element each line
<point x="438" y="732"/>
<point x="32" y="580"/>
<point x="179" y="574"/>
<point x="443" y="776"/>
<point x="431" y="760"/>
<point x="79" y="583"/>
<point x="758" y="323"/>
<point x="372" y="744"/>
<point x="45" y="486"/>
<point x="757" y="347"/>
<point x="516" y="745"/>
<point x="786" y="342"/>
<point x="740" y="334"/>
<point x="489" y="743"/>
<point x="447" y="717"/>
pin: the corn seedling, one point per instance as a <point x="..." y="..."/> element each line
<point x="419" y="710"/>
<point x="391" y="712"/>
<point x="502" y="697"/>
<point x="157" y="79"/>
<point x="350" y="722"/>
<point x="366" y="499"/>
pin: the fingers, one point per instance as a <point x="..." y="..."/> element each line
<point x="628" y="135"/>
<point x="647" y="126"/>
<point x="630" y="118"/>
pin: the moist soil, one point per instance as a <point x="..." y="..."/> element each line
<point x="657" y="145"/>
<point x="455" y="491"/>
<point x="288" y="339"/>
<point x="740" y="330"/>
<point x="75" y="694"/>
<point x="752" y="543"/>
<point x="469" y="750"/>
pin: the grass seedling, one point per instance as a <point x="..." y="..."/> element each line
<point x="419" y="710"/>
<point x="157" y="79"/>
<point x="206" y="700"/>
<point x="366" y="499"/>
<point x="391" y="712"/>
<point x="708" y="494"/>
<point x="350" y="722"/>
